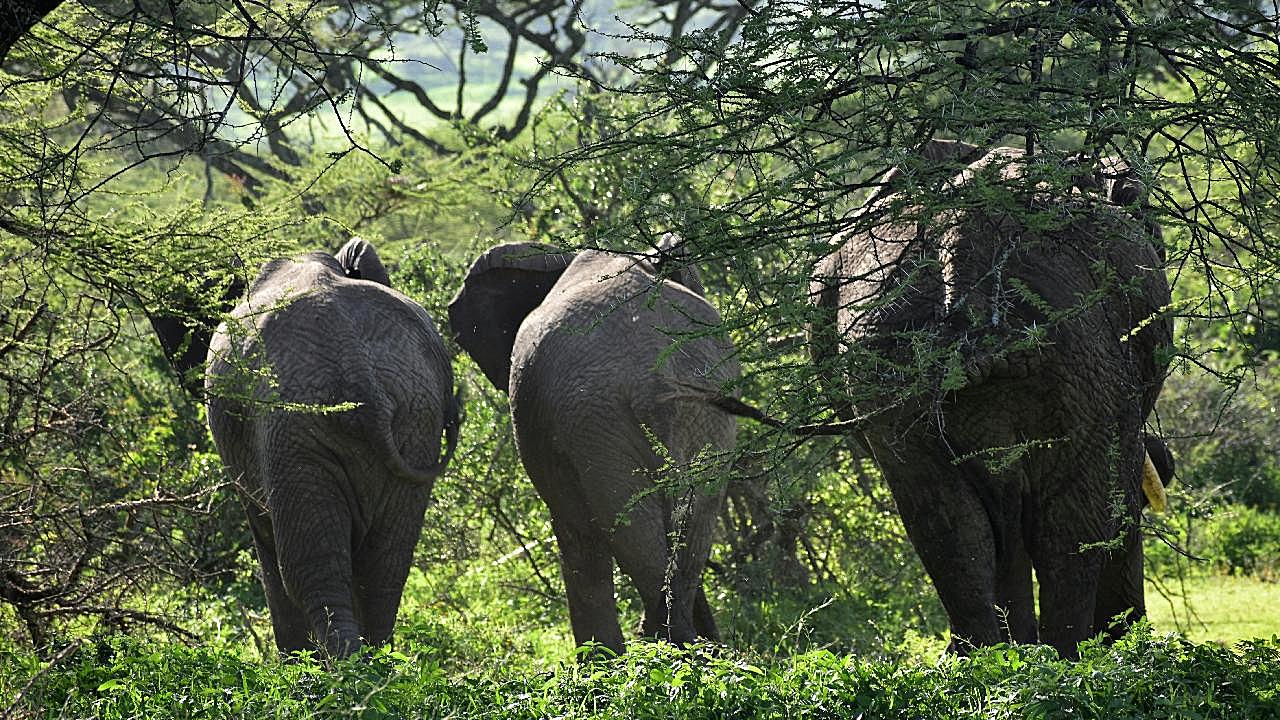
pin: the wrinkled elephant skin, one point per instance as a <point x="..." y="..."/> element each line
<point x="328" y="399"/>
<point x="1007" y="457"/>
<point x="586" y="346"/>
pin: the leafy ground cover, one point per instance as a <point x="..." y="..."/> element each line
<point x="445" y="666"/>
<point x="1146" y="675"/>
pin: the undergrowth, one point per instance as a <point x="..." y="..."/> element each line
<point x="1145" y="675"/>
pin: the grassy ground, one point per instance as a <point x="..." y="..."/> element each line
<point x="1144" y="676"/>
<point x="1216" y="608"/>
<point x="448" y="665"/>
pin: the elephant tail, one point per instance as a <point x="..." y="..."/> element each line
<point x="736" y="407"/>
<point x="396" y="461"/>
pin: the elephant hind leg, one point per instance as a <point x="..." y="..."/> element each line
<point x="950" y="528"/>
<point x="1121" y="597"/>
<point x="288" y="622"/>
<point x="668" y="578"/>
<point x="313" y="534"/>
<point x="1067" y="591"/>
<point x="1015" y="597"/>
<point x="587" y="568"/>
<point x="1068" y="570"/>
<point x="382" y="561"/>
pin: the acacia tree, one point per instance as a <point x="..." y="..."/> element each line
<point x="124" y="129"/>
<point x="106" y="470"/>
<point x="759" y="150"/>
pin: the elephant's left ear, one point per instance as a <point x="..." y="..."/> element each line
<point x="502" y="287"/>
<point x="185" y="333"/>
<point x="671" y="258"/>
<point x="361" y="262"/>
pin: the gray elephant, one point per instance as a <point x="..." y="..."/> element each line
<point x="586" y="345"/>
<point x="328" y="395"/>
<point x="187" y="327"/>
<point x="1001" y="361"/>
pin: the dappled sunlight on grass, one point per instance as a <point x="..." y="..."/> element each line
<point x="1216" y="608"/>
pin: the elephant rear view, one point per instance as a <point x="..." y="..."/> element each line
<point x="1004" y="353"/>
<point x="602" y="358"/>
<point x="329" y="398"/>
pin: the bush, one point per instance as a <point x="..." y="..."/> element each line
<point x="1244" y="540"/>
<point x="1224" y="434"/>
<point x="1234" y="539"/>
<point x="1142" y="676"/>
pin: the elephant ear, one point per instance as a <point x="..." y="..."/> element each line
<point x="949" y="151"/>
<point x="185" y="333"/>
<point x="361" y="262"/>
<point x="1161" y="458"/>
<point x="935" y="153"/>
<point x="1109" y="176"/>
<point x="672" y="259"/>
<point x="502" y="287"/>
<point x="1120" y="184"/>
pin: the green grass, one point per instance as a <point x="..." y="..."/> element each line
<point x="1216" y="608"/>
<point x="495" y="660"/>
<point x="1146" y="675"/>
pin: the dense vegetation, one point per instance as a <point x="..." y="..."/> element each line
<point x="1142" y="677"/>
<point x="143" y="147"/>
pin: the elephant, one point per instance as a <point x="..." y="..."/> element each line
<point x="585" y="344"/>
<point x="328" y="394"/>
<point x="1000" y="371"/>
<point x="184" y="336"/>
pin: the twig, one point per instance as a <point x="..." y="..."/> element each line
<point x="62" y="654"/>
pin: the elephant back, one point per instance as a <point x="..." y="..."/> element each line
<point x="1007" y="276"/>
<point x="613" y="334"/>
<point x="348" y="358"/>
<point x="1072" y="267"/>
<point x="185" y="334"/>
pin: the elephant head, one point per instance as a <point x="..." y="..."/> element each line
<point x="184" y="333"/>
<point x="502" y="287"/>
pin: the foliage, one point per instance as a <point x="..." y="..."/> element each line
<point x="1244" y="540"/>
<point x="851" y="583"/>
<point x="1229" y="427"/>
<point x="1143" y="676"/>
<point x="753" y="145"/>
<point x="1221" y="538"/>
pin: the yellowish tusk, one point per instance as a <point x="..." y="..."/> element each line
<point x="1152" y="486"/>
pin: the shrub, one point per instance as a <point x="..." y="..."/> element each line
<point x="1144" y="675"/>
<point x="1245" y="540"/>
